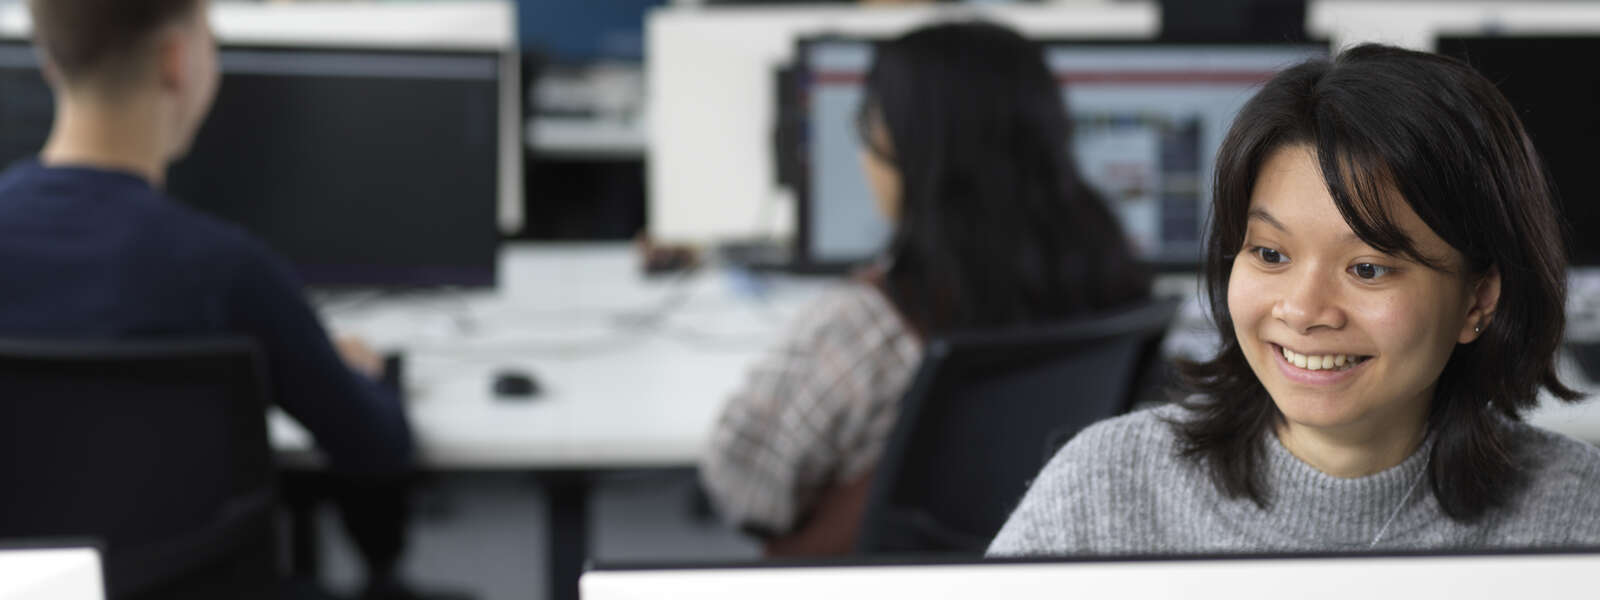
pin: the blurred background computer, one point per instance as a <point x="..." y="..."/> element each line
<point x="370" y="168"/>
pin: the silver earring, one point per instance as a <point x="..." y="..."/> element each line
<point x="1477" y="329"/>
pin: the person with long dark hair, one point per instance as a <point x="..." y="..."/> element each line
<point x="968" y="149"/>
<point x="1387" y="272"/>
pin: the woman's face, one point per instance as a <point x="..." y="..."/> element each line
<point x="1347" y="340"/>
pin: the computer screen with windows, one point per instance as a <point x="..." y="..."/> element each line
<point x="1558" y="100"/>
<point x="1147" y="120"/>
<point x="362" y="167"/>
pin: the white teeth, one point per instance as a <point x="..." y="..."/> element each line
<point x="1326" y="362"/>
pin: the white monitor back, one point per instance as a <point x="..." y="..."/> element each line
<point x="711" y="80"/>
<point x="51" y="574"/>
<point x="1413" y="24"/>
<point x="1458" y="578"/>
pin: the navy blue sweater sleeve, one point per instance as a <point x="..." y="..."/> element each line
<point x="361" y="427"/>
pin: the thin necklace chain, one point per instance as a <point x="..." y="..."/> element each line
<point x="1397" y="509"/>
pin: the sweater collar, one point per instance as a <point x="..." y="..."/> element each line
<point x="1307" y="506"/>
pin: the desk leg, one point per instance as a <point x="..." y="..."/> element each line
<point x="305" y="557"/>
<point x="568" y="494"/>
<point x="301" y="493"/>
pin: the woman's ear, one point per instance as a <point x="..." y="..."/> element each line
<point x="1485" y="297"/>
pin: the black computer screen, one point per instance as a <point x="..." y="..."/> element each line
<point x="26" y="105"/>
<point x="362" y="167"/>
<point x="1557" y="95"/>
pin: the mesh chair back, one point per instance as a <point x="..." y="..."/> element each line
<point x="984" y="413"/>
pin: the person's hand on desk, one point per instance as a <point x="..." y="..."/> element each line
<point x="359" y="356"/>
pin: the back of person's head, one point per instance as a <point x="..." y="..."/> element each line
<point x="1383" y="124"/>
<point x="995" y="226"/>
<point x="104" y="45"/>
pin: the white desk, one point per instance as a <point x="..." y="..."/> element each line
<point x="620" y="391"/>
<point x="634" y="371"/>
<point x="1581" y="420"/>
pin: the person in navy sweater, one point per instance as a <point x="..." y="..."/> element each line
<point x="91" y="247"/>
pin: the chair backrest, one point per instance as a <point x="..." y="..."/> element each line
<point x="984" y="413"/>
<point x="156" y="448"/>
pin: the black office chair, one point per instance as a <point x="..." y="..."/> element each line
<point x="157" y="449"/>
<point x="984" y="413"/>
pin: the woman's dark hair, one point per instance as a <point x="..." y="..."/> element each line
<point x="996" y="227"/>
<point x="1382" y="121"/>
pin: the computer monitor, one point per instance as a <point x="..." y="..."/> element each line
<point x="362" y="167"/>
<point x="26" y="106"/>
<point x="1558" y="100"/>
<point x="1148" y="119"/>
<point x="1459" y="577"/>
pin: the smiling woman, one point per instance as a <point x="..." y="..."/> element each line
<point x="1388" y="206"/>
<point x="1386" y="268"/>
<point x="1308" y="295"/>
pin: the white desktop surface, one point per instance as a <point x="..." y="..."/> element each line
<point x="51" y="574"/>
<point x="617" y="393"/>
<point x="1458" y="578"/>
<point x="1580" y="420"/>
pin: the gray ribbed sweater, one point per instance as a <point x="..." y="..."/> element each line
<point x="1120" y="488"/>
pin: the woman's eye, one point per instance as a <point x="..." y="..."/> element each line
<point x="1269" y="256"/>
<point x="1370" y="271"/>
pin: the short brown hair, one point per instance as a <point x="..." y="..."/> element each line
<point x="82" y="38"/>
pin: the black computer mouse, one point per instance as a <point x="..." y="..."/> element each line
<point x="515" y="384"/>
